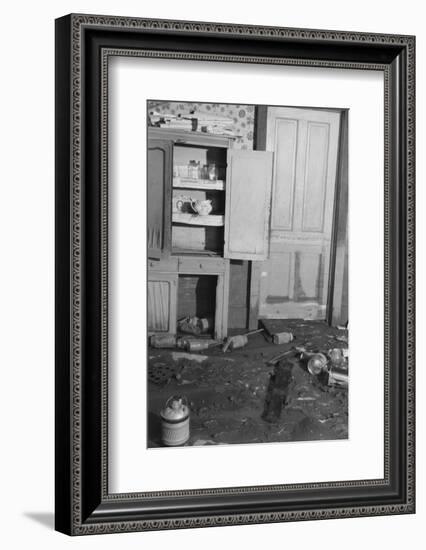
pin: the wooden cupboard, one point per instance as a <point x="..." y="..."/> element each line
<point x="182" y="242"/>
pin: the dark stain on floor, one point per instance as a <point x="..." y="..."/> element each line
<point x="229" y="394"/>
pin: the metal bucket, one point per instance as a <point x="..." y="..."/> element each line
<point x="175" y="421"/>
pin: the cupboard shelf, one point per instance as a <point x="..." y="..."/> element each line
<point x="215" y="220"/>
<point x="191" y="183"/>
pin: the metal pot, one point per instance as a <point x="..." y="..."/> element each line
<point x="317" y="363"/>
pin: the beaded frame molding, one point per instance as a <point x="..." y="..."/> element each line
<point x="84" y="44"/>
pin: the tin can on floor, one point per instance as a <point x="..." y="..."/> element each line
<point x="163" y="341"/>
<point x="192" y="344"/>
<point x="199" y="345"/>
<point x="206" y="324"/>
<point x="239" y="341"/>
<point x="175" y="421"/>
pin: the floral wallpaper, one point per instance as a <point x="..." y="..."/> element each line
<point x="242" y="115"/>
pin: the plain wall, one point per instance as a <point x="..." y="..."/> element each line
<point x="26" y="304"/>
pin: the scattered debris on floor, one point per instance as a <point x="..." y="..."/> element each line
<point x="195" y="325"/>
<point x="276" y="337"/>
<point x="161" y="373"/>
<point x="177" y="355"/>
<point x="276" y="397"/>
<point x="239" y="340"/>
<point x="203" y="442"/>
<point x="262" y="392"/>
<point x="162" y="341"/>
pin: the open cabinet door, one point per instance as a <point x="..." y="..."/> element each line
<point x="159" y="206"/>
<point x="248" y="195"/>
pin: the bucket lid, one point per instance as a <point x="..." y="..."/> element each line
<point x="176" y="408"/>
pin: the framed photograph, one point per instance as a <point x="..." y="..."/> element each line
<point x="234" y="274"/>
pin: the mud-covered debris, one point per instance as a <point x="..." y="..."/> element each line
<point x="338" y="376"/>
<point x="161" y="373"/>
<point x="239" y="341"/>
<point x="162" y="341"/>
<point x="177" y="355"/>
<point x="209" y="424"/>
<point x="306" y="398"/>
<point x="245" y="374"/>
<point x="317" y="364"/>
<point x="278" y="390"/>
<point x="189" y="325"/>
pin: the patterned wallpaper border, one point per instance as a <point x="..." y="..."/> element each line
<point x="242" y="116"/>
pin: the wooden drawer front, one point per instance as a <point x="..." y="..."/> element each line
<point x="202" y="265"/>
<point x="164" y="265"/>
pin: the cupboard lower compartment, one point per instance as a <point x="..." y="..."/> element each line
<point x="200" y="287"/>
<point x="196" y="297"/>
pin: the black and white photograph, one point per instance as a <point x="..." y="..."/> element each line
<point x="247" y="292"/>
<point x="209" y="307"/>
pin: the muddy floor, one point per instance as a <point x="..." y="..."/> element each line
<point x="228" y="392"/>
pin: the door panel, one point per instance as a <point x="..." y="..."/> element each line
<point x="280" y="288"/>
<point x="160" y="164"/>
<point x="294" y="281"/>
<point x="307" y="276"/>
<point x="285" y="169"/>
<point x="315" y="178"/>
<point x="248" y="194"/>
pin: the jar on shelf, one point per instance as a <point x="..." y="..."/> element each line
<point x="212" y="172"/>
<point x="194" y="169"/>
<point x="205" y="172"/>
<point x="183" y="170"/>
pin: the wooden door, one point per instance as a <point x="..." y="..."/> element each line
<point x="248" y="196"/>
<point x="162" y="300"/>
<point x="159" y="195"/>
<point x="294" y="280"/>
